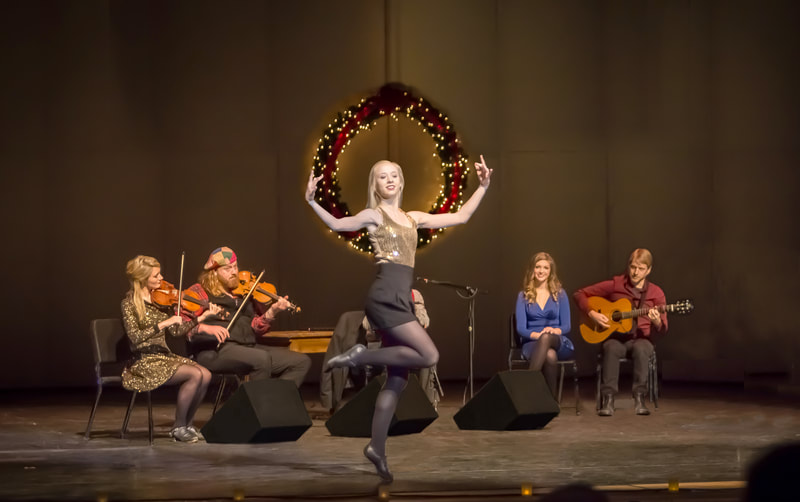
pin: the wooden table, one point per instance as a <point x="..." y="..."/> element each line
<point x="305" y="341"/>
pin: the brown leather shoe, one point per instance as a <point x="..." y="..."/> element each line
<point x="608" y="406"/>
<point x="640" y="407"/>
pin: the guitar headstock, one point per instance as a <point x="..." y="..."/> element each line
<point x="683" y="307"/>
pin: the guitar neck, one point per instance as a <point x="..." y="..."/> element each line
<point x="643" y="311"/>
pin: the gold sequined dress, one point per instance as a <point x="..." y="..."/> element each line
<point x="154" y="363"/>
<point x="389" y="301"/>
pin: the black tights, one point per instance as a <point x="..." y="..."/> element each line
<point x="405" y="346"/>
<point x="193" y="381"/>
<point x="545" y="359"/>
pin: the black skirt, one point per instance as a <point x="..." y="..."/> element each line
<point x="389" y="301"/>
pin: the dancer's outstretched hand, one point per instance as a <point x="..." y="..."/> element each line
<point x="484" y="173"/>
<point x="312" y="186"/>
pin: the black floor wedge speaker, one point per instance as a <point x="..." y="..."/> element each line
<point x="264" y="411"/>
<point x="510" y="401"/>
<point x="414" y="412"/>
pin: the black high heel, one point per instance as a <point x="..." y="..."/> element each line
<point x="346" y="359"/>
<point x="380" y="463"/>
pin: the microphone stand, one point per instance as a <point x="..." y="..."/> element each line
<point x="468" y="293"/>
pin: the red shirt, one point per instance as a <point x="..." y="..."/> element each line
<point x="620" y="287"/>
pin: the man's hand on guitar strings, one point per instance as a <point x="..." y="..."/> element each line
<point x="600" y="319"/>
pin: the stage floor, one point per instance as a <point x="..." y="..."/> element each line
<point x="700" y="434"/>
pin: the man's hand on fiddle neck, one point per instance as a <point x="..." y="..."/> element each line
<point x="277" y="307"/>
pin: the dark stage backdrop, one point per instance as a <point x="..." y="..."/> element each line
<point x="132" y="127"/>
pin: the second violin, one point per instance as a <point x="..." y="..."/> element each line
<point x="166" y="295"/>
<point x="264" y="292"/>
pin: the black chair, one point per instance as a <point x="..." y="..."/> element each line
<point x="517" y="361"/>
<point x="110" y="349"/>
<point x="652" y="378"/>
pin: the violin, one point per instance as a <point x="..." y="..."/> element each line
<point x="263" y="292"/>
<point x="165" y="295"/>
<point x="191" y="301"/>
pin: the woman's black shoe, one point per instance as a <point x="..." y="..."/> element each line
<point x="345" y="360"/>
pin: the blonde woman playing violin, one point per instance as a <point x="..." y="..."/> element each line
<point x="155" y="365"/>
<point x="389" y="306"/>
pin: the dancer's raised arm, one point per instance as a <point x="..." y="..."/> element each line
<point x="427" y="220"/>
<point x="365" y="218"/>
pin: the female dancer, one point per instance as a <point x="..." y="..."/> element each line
<point x="542" y="318"/>
<point x="154" y="364"/>
<point x="389" y="306"/>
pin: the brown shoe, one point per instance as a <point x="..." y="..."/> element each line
<point x="640" y="407"/>
<point x="607" y="409"/>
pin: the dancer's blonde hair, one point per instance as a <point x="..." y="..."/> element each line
<point x="373" y="198"/>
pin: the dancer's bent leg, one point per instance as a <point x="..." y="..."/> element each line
<point x="404" y="346"/>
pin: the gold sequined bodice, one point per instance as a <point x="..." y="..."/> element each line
<point x="393" y="242"/>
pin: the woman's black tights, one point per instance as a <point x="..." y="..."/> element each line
<point x="405" y="346"/>
<point x="544" y="359"/>
<point x="193" y="381"/>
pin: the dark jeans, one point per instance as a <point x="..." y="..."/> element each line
<point x="259" y="361"/>
<point x="639" y="350"/>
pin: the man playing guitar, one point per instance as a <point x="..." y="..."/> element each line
<point x="636" y="343"/>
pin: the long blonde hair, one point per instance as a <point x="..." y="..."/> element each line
<point x="373" y="198"/>
<point x="138" y="271"/>
<point x="211" y="283"/>
<point x="528" y="282"/>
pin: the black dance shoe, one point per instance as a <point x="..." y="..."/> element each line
<point x="346" y="360"/>
<point x="380" y="463"/>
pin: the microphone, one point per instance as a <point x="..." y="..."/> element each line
<point x="470" y="289"/>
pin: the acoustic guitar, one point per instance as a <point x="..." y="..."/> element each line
<point x="620" y="316"/>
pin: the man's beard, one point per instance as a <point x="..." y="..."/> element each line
<point x="231" y="284"/>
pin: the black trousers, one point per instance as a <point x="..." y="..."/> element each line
<point x="258" y="361"/>
<point x="639" y="350"/>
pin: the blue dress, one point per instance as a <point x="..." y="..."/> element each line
<point x="555" y="314"/>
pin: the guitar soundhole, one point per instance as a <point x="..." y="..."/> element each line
<point x="616" y="316"/>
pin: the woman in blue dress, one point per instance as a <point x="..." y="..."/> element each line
<point x="389" y="306"/>
<point x="542" y="318"/>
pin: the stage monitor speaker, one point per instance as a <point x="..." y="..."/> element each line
<point x="263" y="411"/>
<point x="512" y="401"/>
<point x="414" y="412"/>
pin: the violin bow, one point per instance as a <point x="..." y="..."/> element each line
<point x="244" y="300"/>
<point x="180" y="286"/>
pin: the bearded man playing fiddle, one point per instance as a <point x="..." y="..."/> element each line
<point x="234" y="349"/>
